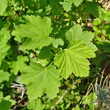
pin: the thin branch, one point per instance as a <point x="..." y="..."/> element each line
<point x="19" y="51"/>
<point x="59" y="99"/>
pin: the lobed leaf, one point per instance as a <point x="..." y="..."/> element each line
<point x="77" y="2"/>
<point x="6" y="102"/>
<point x="57" y="42"/>
<point x="40" y="80"/>
<point x="74" y="59"/>
<point x="67" y="4"/>
<point x="19" y="65"/>
<point x="76" y="33"/>
<point x="4" y="76"/>
<point x="36" y="30"/>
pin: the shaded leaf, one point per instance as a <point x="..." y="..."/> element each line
<point x="92" y="8"/>
<point x="6" y="102"/>
<point x="45" y="53"/>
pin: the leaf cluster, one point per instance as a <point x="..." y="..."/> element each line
<point x="47" y="48"/>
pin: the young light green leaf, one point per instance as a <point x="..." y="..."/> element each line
<point x="19" y="64"/>
<point x="89" y="0"/>
<point x="67" y="4"/>
<point x="74" y="59"/>
<point x="77" y="2"/>
<point x="35" y="105"/>
<point x="40" y="80"/>
<point x="76" y="33"/>
<point x="36" y="30"/>
<point x="1" y="86"/>
<point x="57" y="42"/>
<point x="4" y="76"/>
<point x="3" y="6"/>
<point x="4" y="37"/>
<point x="97" y="21"/>
<point x="90" y="97"/>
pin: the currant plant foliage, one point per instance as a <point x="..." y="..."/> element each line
<point x="16" y="65"/>
<point x="3" y="6"/>
<point x="74" y="59"/>
<point x="36" y="30"/>
<point x="42" y="45"/>
<point x="76" y="33"/>
<point x="4" y="47"/>
<point x="41" y="80"/>
<point x="7" y="101"/>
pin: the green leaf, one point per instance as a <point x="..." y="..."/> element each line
<point x="45" y="53"/>
<point x="57" y="42"/>
<point x="19" y="64"/>
<point x="104" y="46"/>
<point x="76" y="33"/>
<point x="8" y="99"/>
<point x="90" y="98"/>
<point x="43" y="3"/>
<point x="21" y="48"/>
<point x="1" y="96"/>
<point x="74" y="59"/>
<point x="77" y="2"/>
<point x="73" y="33"/>
<point x="2" y="23"/>
<point x="1" y="86"/>
<point x="43" y="62"/>
<point x="89" y="0"/>
<point x="35" y="105"/>
<point x="40" y="80"/>
<point x="5" y="33"/>
<point x="67" y="4"/>
<point x="4" y="76"/>
<point x="107" y="28"/>
<point x="6" y="102"/>
<point x="4" y="65"/>
<point x="36" y="30"/>
<point x="97" y="21"/>
<point x="76" y="108"/>
<point x="3" y="6"/>
<point x="10" y="81"/>
<point x="92" y="8"/>
<point x="4" y="37"/>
